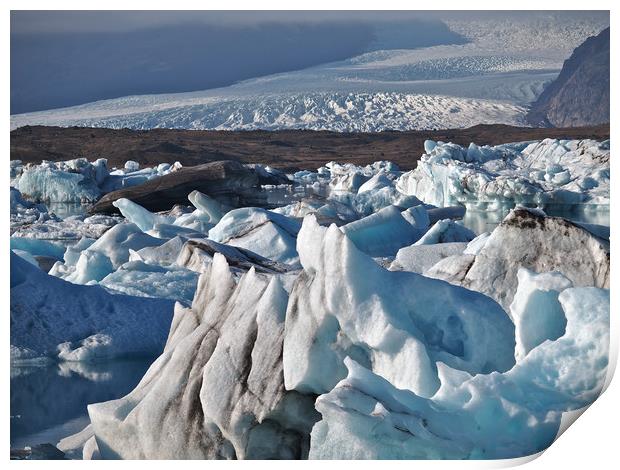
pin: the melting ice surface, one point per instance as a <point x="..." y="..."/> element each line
<point x="293" y="326"/>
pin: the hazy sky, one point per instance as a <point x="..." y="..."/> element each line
<point x="115" y="21"/>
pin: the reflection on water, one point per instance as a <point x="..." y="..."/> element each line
<point x="480" y="220"/>
<point x="48" y="402"/>
<point x="66" y="209"/>
<point x="284" y="195"/>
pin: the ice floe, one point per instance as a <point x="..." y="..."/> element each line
<point x="79" y="180"/>
<point x="54" y="318"/>
<point x="531" y="240"/>
<point x="467" y="347"/>
<point x="571" y="174"/>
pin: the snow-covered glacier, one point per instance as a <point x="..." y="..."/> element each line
<point x="361" y="318"/>
<point x="337" y="111"/>
<point x="492" y="78"/>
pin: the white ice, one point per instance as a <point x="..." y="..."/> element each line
<point x="446" y="231"/>
<point x="224" y="358"/>
<point x="383" y="233"/>
<point x="571" y="174"/>
<point x="264" y="232"/>
<point x="487" y="416"/>
<point x="419" y="258"/>
<point x="344" y="304"/>
<point x="54" y="318"/>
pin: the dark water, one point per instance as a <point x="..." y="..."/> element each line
<point x="48" y="402"/>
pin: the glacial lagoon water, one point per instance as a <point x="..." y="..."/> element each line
<point x="480" y="221"/>
<point x="48" y="402"/>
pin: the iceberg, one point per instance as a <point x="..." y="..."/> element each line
<point x="446" y="231"/>
<point x="56" y="319"/>
<point x="570" y="174"/>
<point x="528" y="239"/>
<point x="165" y="254"/>
<point x="375" y="183"/>
<point x="383" y="233"/>
<point x="79" y="180"/>
<point x="48" y="184"/>
<point x="217" y="390"/>
<point x="106" y="254"/>
<point x="327" y="211"/>
<point x="399" y="324"/>
<point x="349" y="182"/>
<point x="264" y="232"/>
<point x="419" y="258"/>
<point x="486" y="416"/>
<point x="207" y="214"/>
<point x="369" y="202"/>
<point x="144" y="219"/>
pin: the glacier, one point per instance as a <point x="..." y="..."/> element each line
<point x="503" y="66"/>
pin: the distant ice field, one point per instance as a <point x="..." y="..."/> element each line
<point x="491" y="79"/>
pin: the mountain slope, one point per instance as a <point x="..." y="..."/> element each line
<point x="580" y="94"/>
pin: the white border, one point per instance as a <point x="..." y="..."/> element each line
<point x="590" y="443"/>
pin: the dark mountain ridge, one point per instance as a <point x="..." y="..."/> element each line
<point x="580" y="94"/>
